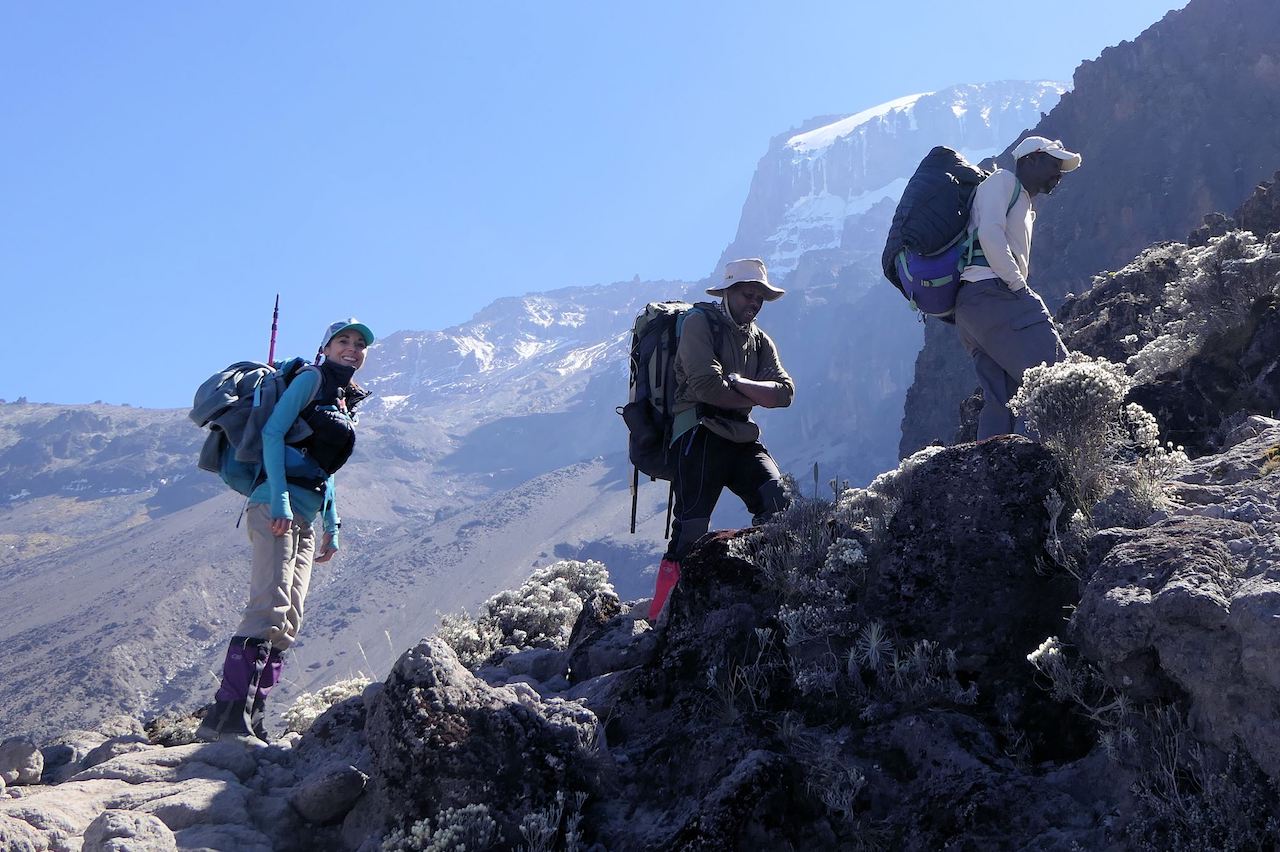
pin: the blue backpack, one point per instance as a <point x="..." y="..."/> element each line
<point x="234" y="403"/>
<point x="929" y="242"/>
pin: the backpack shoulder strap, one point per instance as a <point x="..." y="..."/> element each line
<point x="715" y="322"/>
<point x="319" y="380"/>
<point x="971" y="246"/>
<point x="1017" y="192"/>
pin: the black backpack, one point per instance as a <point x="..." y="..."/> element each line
<point x="929" y="241"/>
<point x="651" y="394"/>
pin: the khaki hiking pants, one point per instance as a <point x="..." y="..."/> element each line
<point x="1005" y="332"/>
<point x="281" y="576"/>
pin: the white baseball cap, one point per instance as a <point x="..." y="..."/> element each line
<point x="1070" y="160"/>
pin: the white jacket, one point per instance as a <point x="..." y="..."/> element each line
<point x="1005" y="238"/>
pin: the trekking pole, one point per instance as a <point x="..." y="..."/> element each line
<point x="635" y="494"/>
<point x="275" y="322"/>
<point x="671" y="496"/>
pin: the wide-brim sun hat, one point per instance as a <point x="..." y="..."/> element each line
<point x="1054" y="147"/>
<point x="748" y="269"/>
<point x="336" y="328"/>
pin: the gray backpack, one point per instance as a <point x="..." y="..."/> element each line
<point x="234" y="404"/>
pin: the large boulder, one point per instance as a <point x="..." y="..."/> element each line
<point x="441" y="738"/>
<point x="128" y="831"/>
<point x="20" y="761"/>
<point x="967" y="567"/>
<point x="114" y="747"/>
<point x="1189" y="608"/>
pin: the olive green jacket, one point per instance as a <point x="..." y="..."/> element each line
<point x="703" y="397"/>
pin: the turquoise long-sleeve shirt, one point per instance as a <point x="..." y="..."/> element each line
<point x="288" y="500"/>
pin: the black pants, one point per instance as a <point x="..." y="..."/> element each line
<point x="707" y="465"/>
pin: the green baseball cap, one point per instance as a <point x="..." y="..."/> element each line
<point x="340" y="326"/>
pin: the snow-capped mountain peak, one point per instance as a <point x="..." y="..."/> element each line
<point x="821" y="138"/>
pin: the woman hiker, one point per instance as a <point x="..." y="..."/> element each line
<point x="297" y="486"/>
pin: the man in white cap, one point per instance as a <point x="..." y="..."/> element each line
<point x="724" y="366"/>
<point x="1003" y="324"/>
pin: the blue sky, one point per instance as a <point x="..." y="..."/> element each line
<point x="166" y="168"/>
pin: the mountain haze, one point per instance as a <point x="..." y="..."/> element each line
<point x="488" y="448"/>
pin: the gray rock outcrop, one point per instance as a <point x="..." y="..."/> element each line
<point x="20" y="761"/>
<point x="442" y="738"/>
<point x="1189" y="608"/>
<point x="128" y="831"/>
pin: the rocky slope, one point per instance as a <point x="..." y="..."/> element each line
<point x="1172" y="126"/>
<point x="812" y="677"/>
<point x="951" y="636"/>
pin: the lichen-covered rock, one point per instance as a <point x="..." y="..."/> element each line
<point x="128" y="831"/>
<point x="198" y="801"/>
<point x="540" y="664"/>
<point x="596" y="612"/>
<point x="20" y="761"/>
<point x="967" y="568"/>
<point x="121" y="726"/>
<point x="722" y="598"/>
<point x="1190" y="607"/>
<point x="442" y="738"/>
<point x="174" y="764"/>
<point x="175" y="727"/>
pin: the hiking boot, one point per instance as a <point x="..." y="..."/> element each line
<point x="227" y="720"/>
<point x="668" y="577"/>
<point x="242" y="671"/>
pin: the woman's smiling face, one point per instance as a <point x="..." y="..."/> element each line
<point x="346" y="348"/>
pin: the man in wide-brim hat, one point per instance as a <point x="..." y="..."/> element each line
<point x="725" y="365"/>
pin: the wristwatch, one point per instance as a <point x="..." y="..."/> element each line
<point x="732" y="379"/>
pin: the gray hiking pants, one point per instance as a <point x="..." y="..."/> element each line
<point x="1005" y="332"/>
<point x="281" y="576"/>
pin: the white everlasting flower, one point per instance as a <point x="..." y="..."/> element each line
<point x="1049" y="652"/>
<point x="845" y="553"/>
